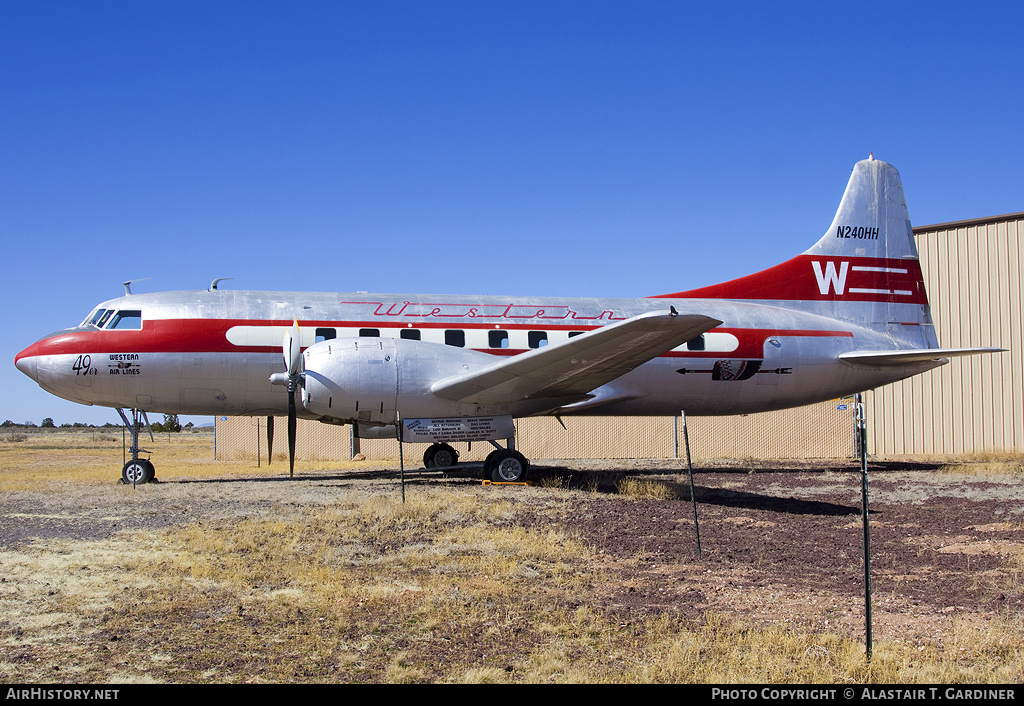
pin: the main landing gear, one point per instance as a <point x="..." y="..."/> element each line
<point x="503" y="465"/>
<point x="137" y="470"/>
<point x="506" y="466"/>
<point x="440" y="456"/>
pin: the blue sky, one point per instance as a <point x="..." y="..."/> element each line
<point x="560" y="148"/>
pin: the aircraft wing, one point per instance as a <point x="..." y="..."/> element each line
<point x="572" y="368"/>
<point x="924" y="355"/>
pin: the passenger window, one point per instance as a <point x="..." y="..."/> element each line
<point x="696" y="344"/>
<point x="413" y="334"/>
<point x="370" y="332"/>
<point x="497" y="339"/>
<point x="538" y="339"/>
<point x="573" y="334"/>
<point x="127" y="321"/>
<point x="455" y="338"/>
<point x="326" y="334"/>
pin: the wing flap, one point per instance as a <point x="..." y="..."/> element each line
<point x="578" y="365"/>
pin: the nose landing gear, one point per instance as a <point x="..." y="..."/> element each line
<point x="137" y="470"/>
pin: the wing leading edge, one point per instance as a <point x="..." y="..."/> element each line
<point x="572" y="368"/>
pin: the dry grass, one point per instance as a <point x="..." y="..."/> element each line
<point x="992" y="464"/>
<point x="648" y="489"/>
<point x="449" y="586"/>
<point x="95" y="456"/>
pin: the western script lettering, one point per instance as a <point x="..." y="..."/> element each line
<point x="483" y="311"/>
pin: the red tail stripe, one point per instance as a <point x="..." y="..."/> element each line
<point x="823" y="278"/>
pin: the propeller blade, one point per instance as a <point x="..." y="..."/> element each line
<point x="291" y="432"/>
<point x="270" y="439"/>
<point x="292" y="350"/>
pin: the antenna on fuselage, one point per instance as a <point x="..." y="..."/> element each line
<point x="128" y="284"/>
<point x="213" y="284"/>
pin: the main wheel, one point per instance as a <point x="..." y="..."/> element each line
<point x="440" y="456"/>
<point x="490" y="463"/>
<point x="445" y="456"/>
<point x="508" y="466"/>
<point x="137" y="472"/>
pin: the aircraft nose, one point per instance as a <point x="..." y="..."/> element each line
<point x="26" y="364"/>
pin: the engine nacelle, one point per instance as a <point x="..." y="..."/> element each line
<point x="368" y="379"/>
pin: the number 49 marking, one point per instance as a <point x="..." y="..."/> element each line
<point x="83" y="365"/>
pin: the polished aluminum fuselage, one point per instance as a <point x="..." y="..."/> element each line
<point x="213" y="352"/>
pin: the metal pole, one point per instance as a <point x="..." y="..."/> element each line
<point x="401" y="458"/>
<point x="862" y="439"/>
<point x="693" y="487"/>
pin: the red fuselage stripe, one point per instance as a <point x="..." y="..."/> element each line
<point x="210" y="336"/>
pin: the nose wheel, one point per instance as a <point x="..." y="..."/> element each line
<point x="137" y="470"/>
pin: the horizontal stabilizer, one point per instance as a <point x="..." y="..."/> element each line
<point x="925" y="355"/>
<point x="570" y="369"/>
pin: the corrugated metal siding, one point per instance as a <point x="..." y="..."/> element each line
<point x="814" y="431"/>
<point x="822" y="430"/>
<point x="975" y="404"/>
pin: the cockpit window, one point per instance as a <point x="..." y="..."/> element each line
<point x="98" y="318"/>
<point x="126" y="321"/>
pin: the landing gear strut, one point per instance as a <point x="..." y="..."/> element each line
<point x="137" y="470"/>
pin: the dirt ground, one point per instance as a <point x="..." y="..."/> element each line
<point x="781" y="543"/>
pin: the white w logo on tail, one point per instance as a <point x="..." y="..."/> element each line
<point x="830" y="278"/>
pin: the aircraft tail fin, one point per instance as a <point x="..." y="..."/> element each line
<point x="864" y="269"/>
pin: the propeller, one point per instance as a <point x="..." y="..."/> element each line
<point x="293" y="372"/>
<point x="292" y="359"/>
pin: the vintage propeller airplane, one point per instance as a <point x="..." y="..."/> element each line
<point x="849" y="314"/>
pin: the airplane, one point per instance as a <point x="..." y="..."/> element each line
<point x="848" y="314"/>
